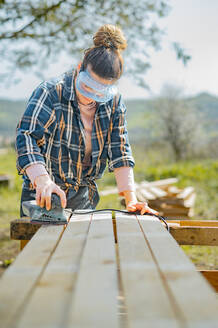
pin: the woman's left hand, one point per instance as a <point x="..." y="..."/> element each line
<point x="143" y="207"/>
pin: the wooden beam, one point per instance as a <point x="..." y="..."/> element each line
<point x="163" y="183"/>
<point x="185" y="193"/>
<point x="5" y="180"/>
<point x="190" y="292"/>
<point x="197" y="223"/>
<point x="94" y="302"/>
<point x="48" y="304"/>
<point x="147" y="301"/>
<point x="20" y="278"/>
<point x="212" y="277"/>
<point x="204" y="236"/>
<point x="185" y="232"/>
<point x="22" y="229"/>
<point x="23" y="243"/>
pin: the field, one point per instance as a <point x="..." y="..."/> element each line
<point x="201" y="174"/>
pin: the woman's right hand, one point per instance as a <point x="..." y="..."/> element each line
<point x="44" y="189"/>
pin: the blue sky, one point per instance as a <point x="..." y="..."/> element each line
<point x="192" y="23"/>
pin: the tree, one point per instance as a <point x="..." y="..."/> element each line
<point x="179" y="123"/>
<point x="33" y="32"/>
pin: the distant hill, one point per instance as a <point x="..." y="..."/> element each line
<point x="208" y="106"/>
<point x="10" y="113"/>
<point x="140" y="113"/>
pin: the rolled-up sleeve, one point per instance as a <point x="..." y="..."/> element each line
<point x="119" y="150"/>
<point x="30" y="130"/>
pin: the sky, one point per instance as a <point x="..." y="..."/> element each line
<point x="194" y="25"/>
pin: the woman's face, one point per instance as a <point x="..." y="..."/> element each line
<point x="84" y="100"/>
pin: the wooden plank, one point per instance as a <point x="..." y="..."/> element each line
<point x="50" y="300"/>
<point x="20" y="278"/>
<point x="147" y="301"/>
<point x="212" y="277"/>
<point x="190" y="291"/>
<point x="175" y="217"/>
<point x="22" y="229"/>
<point x="198" y="223"/>
<point x="143" y="194"/>
<point x="190" y="201"/>
<point x="163" y="183"/>
<point x="174" y="201"/>
<point x="185" y="193"/>
<point x="23" y="243"/>
<point x="94" y="302"/>
<point x="157" y="192"/>
<point x="207" y="236"/>
<point x="173" y="191"/>
<point x="173" y="211"/>
<point x="167" y="200"/>
<point x="5" y="180"/>
<point x="165" y="203"/>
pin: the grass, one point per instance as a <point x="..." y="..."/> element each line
<point x="201" y="174"/>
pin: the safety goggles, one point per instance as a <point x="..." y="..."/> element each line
<point x="93" y="89"/>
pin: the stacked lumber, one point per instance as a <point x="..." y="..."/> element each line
<point x="164" y="197"/>
<point x="167" y="199"/>
<point x="5" y="180"/>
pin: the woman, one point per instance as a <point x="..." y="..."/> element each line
<point x="71" y="127"/>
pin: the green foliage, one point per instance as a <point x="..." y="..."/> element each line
<point x="39" y="31"/>
<point x="180" y="53"/>
<point x="7" y="262"/>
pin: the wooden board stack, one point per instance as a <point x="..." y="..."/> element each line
<point x="5" y="180"/>
<point x="163" y="196"/>
<point x="167" y="199"/>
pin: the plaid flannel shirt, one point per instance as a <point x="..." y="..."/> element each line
<point x="51" y="132"/>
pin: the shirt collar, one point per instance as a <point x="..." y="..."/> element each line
<point x="68" y="86"/>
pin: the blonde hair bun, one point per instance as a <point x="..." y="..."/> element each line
<point x="110" y="36"/>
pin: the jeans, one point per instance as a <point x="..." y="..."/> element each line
<point x="75" y="200"/>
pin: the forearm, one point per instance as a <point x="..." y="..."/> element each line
<point x="36" y="170"/>
<point x="125" y="183"/>
<point x="126" y="187"/>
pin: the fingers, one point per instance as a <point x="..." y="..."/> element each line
<point x="147" y="209"/>
<point x="38" y="197"/>
<point x="62" y="195"/>
<point x="43" y="199"/>
<point x="43" y="196"/>
<point x="131" y="207"/>
<point x="142" y="207"/>
<point x="48" y="201"/>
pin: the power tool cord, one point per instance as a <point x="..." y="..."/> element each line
<point x="125" y="212"/>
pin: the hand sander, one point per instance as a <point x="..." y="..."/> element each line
<point x="56" y="215"/>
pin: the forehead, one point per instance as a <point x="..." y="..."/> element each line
<point x="98" y="78"/>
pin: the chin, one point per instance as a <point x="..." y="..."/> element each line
<point x="88" y="100"/>
<point x="85" y="100"/>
